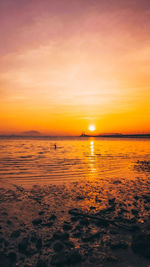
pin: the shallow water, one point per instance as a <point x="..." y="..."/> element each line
<point x="35" y="161"/>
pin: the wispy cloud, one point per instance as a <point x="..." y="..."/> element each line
<point x="71" y="57"/>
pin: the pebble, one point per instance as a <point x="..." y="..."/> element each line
<point x="112" y="201"/>
<point x="48" y="224"/>
<point x="41" y="212"/>
<point x="60" y="235"/>
<point x="67" y="226"/>
<point x="15" y="234"/>
<point x="75" y="218"/>
<point x="53" y="217"/>
<point x="80" y="197"/>
<point x="37" y="221"/>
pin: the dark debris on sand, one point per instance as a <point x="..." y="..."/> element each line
<point x="143" y="165"/>
<point x="54" y="226"/>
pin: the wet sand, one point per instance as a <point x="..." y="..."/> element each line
<point x="86" y="223"/>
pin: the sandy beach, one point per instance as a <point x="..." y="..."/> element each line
<point x="86" y="223"/>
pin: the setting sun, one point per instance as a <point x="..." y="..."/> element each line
<point x="92" y="128"/>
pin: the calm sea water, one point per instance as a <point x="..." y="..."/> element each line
<point x="35" y="161"/>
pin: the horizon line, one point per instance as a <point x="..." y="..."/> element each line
<point x="82" y="135"/>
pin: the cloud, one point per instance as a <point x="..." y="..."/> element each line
<point x="70" y="57"/>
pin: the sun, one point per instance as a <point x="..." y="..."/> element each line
<point x="92" y="127"/>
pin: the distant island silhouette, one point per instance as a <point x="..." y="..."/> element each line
<point x="30" y="133"/>
<point x="118" y="135"/>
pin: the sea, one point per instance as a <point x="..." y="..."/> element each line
<point x="36" y="160"/>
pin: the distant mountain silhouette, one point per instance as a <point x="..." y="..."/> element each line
<point x="31" y="133"/>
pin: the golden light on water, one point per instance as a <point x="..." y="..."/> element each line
<point x="92" y="148"/>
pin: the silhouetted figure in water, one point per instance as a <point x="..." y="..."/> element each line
<point x="55" y="146"/>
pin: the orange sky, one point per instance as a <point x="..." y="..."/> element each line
<point x="69" y="64"/>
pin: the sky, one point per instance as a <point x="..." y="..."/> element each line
<point x="67" y="64"/>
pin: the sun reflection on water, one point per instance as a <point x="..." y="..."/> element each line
<point x="92" y="147"/>
<point x="92" y="157"/>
